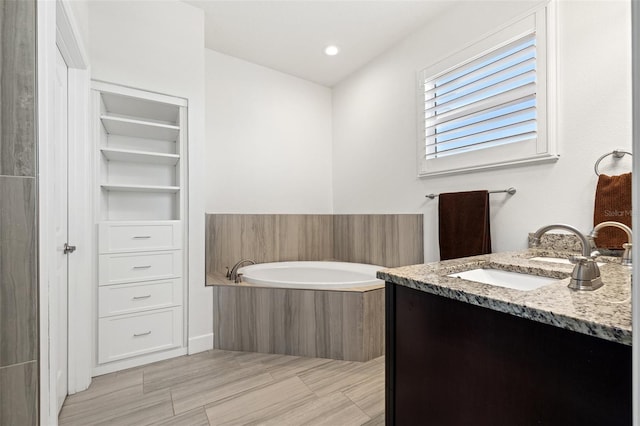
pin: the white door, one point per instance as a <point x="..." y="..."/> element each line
<point x="58" y="288"/>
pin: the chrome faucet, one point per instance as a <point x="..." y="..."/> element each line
<point x="626" y="256"/>
<point x="233" y="273"/>
<point x="586" y="274"/>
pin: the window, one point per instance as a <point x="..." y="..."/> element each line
<point x="488" y="105"/>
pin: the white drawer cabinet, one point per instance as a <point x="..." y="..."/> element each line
<point x="135" y="297"/>
<point x="122" y="268"/>
<point x="125" y="336"/>
<point x="140" y="144"/>
<point x="117" y="237"/>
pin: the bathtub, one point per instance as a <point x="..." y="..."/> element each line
<point x="315" y="309"/>
<point x="312" y="275"/>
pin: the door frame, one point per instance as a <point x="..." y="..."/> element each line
<point x="58" y="29"/>
<point x="58" y="287"/>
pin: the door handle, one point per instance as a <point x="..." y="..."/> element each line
<point x="68" y="249"/>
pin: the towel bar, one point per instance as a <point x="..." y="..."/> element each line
<point x="617" y="153"/>
<point x="509" y="191"/>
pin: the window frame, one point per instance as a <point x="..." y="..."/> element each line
<point x="542" y="148"/>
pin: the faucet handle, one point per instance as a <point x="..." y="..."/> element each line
<point x="228" y="274"/>
<point x="575" y="259"/>
<point x="626" y="256"/>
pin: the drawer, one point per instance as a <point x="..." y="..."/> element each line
<point x="145" y="266"/>
<point x="127" y="298"/>
<point x="126" y="336"/>
<point x="127" y="236"/>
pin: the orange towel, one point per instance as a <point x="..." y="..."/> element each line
<point x="613" y="203"/>
<point x="464" y="224"/>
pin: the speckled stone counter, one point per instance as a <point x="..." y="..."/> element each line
<point x="603" y="313"/>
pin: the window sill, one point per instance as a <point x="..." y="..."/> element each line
<point x="544" y="158"/>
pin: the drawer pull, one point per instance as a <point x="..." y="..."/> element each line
<point x="141" y="297"/>
<point x="142" y="334"/>
<point x="142" y="267"/>
<point x="142" y="237"/>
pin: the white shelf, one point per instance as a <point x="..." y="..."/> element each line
<point x="134" y="156"/>
<point x="131" y="106"/>
<point x="139" y="128"/>
<point x="140" y="188"/>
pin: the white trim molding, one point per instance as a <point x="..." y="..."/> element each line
<point x="46" y="61"/>
<point x="68" y="37"/>
<point x="200" y="343"/>
<point x="81" y="233"/>
<point x="112" y="367"/>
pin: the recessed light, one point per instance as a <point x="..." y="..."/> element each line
<point x="331" y="50"/>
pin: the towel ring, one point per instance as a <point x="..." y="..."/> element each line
<point x="617" y="153"/>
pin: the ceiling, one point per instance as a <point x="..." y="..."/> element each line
<point x="290" y="36"/>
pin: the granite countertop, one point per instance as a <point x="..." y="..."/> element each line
<point x="603" y="313"/>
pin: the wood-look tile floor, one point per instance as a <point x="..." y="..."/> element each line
<point x="223" y="387"/>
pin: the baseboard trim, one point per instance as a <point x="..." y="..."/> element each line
<point x="137" y="361"/>
<point x="201" y="343"/>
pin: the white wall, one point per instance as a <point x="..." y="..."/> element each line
<point x="159" y="46"/>
<point x="80" y="10"/>
<point x="374" y="118"/>
<point x="268" y="140"/>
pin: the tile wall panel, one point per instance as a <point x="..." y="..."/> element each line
<point x="19" y="394"/>
<point x="387" y="239"/>
<point x="18" y="284"/>
<point x="18" y="232"/>
<point x="266" y="238"/>
<point x="17" y="88"/>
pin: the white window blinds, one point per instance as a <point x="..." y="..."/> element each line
<point x="487" y="102"/>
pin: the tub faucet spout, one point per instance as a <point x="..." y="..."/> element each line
<point x="233" y="273"/>
<point x="586" y="274"/>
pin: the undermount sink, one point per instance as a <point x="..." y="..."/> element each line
<point x="557" y="260"/>
<point x="507" y="279"/>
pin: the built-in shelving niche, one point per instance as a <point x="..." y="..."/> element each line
<point x="140" y="162"/>
<point x="140" y="140"/>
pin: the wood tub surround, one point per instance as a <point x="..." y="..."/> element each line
<point x="387" y="240"/>
<point x="266" y="238"/>
<point x="344" y="325"/>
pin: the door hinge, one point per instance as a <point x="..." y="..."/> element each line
<point x="69" y="249"/>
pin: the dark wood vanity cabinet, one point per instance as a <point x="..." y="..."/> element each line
<point x="453" y="363"/>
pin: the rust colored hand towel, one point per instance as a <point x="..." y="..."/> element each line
<point x="464" y="224"/>
<point x="613" y="202"/>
